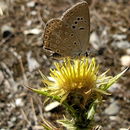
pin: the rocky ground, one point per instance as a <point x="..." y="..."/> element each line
<point x="22" y="55"/>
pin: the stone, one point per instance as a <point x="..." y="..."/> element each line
<point x="112" y="109"/>
<point x="51" y="106"/>
<point x="95" y="41"/>
<point x="1" y="77"/>
<point x="7" y="31"/>
<point x="32" y="63"/>
<point x="19" y="102"/>
<point x="121" y="44"/>
<point x="125" y="60"/>
<point x="114" y="87"/>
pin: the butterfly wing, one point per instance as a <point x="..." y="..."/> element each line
<point x="77" y="18"/>
<point x="60" y="38"/>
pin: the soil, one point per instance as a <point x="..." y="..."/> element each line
<point x="22" y="56"/>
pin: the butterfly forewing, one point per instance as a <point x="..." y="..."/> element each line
<point x="78" y="20"/>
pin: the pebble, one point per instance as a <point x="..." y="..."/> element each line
<point x="3" y="6"/>
<point x="13" y="119"/>
<point x="128" y="51"/>
<point x="1" y="77"/>
<point x="114" y="87"/>
<point x="33" y="12"/>
<point x="115" y="118"/>
<point x="125" y="60"/>
<point x="119" y="36"/>
<point x="121" y="44"/>
<point x="112" y="109"/>
<point x="51" y="106"/>
<point x="1" y="12"/>
<point x="29" y="22"/>
<point x="94" y="40"/>
<point x="32" y="63"/>
<point x="19" y="102"/>
<point x="7" y="31"/>
<point x="34" y="31"/>
<point x="31" y="4"/>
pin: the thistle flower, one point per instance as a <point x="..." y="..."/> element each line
<point x="78" y="85"/>
<point x="79" y="77"/>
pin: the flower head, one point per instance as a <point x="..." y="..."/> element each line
<point x="77" y="79"/>
<point x="78" y="85"/>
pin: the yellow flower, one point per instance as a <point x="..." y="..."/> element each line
<point x="78" y="79"/>
<point x="77" y="85"/>
<point x="72" y="76"/>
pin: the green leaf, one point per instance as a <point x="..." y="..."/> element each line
<point x="101" y="91"/>
<point x="57" y="98"/>
<point x="114" y="79"/>
<point x="69" y="124"/>
<point x="92" y="110"/>
<point x="45" y="93"/>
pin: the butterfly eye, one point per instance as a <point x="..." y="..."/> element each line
<point x="56" y="55"/>
<point x="86" y="54"/>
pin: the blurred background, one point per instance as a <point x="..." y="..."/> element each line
<point x="22" y="55"/>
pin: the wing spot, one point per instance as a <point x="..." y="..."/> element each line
<point x="81" y="28"/>
<point x="81" y="18"/>
<point x="66" y="33"/>
<point x="71" y="13"/>
<point x="73" y="27"/>
<point x="75" y="43"/>
<point x="60" y="24"/>
<point x="47" y="31"/>
<point x="78" y="18"/>
<point x="71" y="34"/>
<point x="58" y="51"/>
<point x="57" y="41"/>
<point x="66" y="39"/>
<point x="46" y="37"/>
<point x="75" y="22"/>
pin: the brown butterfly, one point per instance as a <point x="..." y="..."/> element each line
<point x="69" y="35"/>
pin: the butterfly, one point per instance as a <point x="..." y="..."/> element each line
<point x="69" y="34"/>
